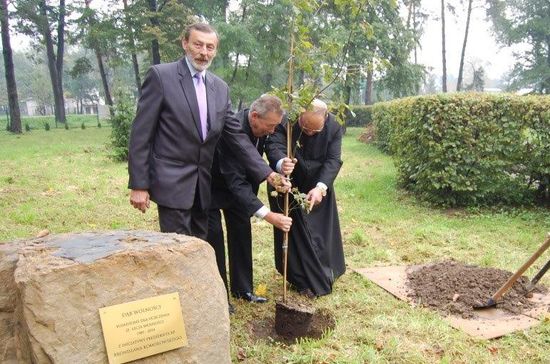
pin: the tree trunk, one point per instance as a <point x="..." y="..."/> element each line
<point x="462" y="55"/>
<point x="108" y="99"/>
<point x="444" y="78"/>
<point x="368" y="89"/>
<point x="13" y="99"/>
<point x="60" y="42"/>
<point x="546" y="82"/>
<point x="414" y="32"/>
<point x="155" y="48"/>
<point x="132" y="42"/>
<point x="409" y="13"/>
<point x="347" y="93"/>
<point x="59" y="103"/>
<point x="235" y="68"/>
<point x="59" y="56"/>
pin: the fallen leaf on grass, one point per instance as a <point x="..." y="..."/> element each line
<point x="241" y="355"/>
<point x="493" y="350"/>
<point x="43" y="233"/>
<point x="261" y="290"/>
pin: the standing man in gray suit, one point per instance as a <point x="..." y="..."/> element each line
<point x="182" y="113"/>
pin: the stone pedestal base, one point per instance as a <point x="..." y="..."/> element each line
<point x="52" y="289"/>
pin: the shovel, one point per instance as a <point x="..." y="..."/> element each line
<point x="538" y="276"/>
<point x="510" y="282"/>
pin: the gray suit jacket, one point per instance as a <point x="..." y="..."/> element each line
<point x="167" y="155"/>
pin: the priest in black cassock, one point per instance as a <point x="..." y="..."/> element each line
<point x="315" y="251"/>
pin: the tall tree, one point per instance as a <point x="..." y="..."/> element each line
<point x="478" y="79"/>
<point x="130" y="38"/>
<point x="443" y="50"/>
<point x="463" y="53"/>
<point x="95" y="33"/>
<point x="158" y="27"/>
<point x="36" y="18"/>
<point x="153" y="18"/>
<point x="527" y="23"/>
<point x="13" y="99"/>
<point x="252" y="53"/>
<point x="80" y="84"/>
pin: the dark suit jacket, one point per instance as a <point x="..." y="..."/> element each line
<point x="167" y="155"/>
<point x="232" y="184"/>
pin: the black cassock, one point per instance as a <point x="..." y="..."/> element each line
<point x="315" y="252"/>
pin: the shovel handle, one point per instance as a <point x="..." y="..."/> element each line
<point x="506" y="286"/>
<point x="539" y="275"/>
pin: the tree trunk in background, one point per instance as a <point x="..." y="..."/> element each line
<point x="132" y="42"/>
<point x="155" y="48"/>
<point x="236" y="66"/>
<point x="60" y="44"/>
<point x="57" y="85"/>
<point x="461" y="67"/>
<point x="414" y="32"/>
<point x="108" y="99"/>
<point x="13" y="99"/>
<point x="101" y="67"/>
<point x="368" y="89"/>
<point x="444" y="78"/>
<point x="546" y="83"/>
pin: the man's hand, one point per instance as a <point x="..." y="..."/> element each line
<point x="280" y="221"/>
<point x="288" y="165"/>
<point x="315" y="196"/>
<point x="140" y="199"/>
<point x="279" y="182"/>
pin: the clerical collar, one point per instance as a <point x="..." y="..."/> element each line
<point x="193" y="70"/>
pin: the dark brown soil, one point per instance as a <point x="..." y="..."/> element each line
<point x="292" y="319"/>
<point x="453" y="288"/>
<point x="321" y="321"/>
<point x="369" y="135"/>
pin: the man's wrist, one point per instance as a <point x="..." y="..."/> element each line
<point x="279" y="165"/>
<point x="322" y="187"/>
<point x="262" y="212"/>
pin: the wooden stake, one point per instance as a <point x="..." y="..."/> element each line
<point x="289" y="154"/>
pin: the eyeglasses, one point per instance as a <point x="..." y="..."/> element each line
<point x="308" y="130"/>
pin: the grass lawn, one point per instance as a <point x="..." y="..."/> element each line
<point x="64" y="181"/>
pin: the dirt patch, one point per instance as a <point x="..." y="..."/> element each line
<point x="453" y="288"/>
<point x="321" y="321"/>
<point x="369" y="135"/>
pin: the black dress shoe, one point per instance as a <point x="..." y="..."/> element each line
<point x="250" y="297"/>
<point x="231" y="309"/>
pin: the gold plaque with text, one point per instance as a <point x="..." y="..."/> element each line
<point x="142" y="328"/>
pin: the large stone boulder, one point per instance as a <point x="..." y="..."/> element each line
<point x="53" y="287"/>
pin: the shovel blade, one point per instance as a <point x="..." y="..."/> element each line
<point x="490" y="303"/>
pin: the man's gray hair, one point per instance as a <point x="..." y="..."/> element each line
<point x="200" y="27"/>
<point x="266" y="104"/>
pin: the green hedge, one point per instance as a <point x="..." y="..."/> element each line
<point x="469" y="148"/>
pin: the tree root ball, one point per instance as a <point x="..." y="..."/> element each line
<point x="293" y="319"/>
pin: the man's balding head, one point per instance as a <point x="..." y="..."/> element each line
<point x="312" y="121"/>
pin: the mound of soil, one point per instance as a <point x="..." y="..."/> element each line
<point x="369" y="135"/>
<point x="453" y="288"/>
